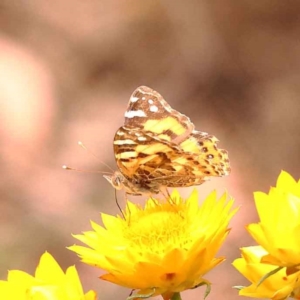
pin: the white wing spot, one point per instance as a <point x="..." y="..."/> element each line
<point x="127" y="154"/>
<point x="144" y="98"/>
<point x="137" y="134"/>
<point x="134" y="99"/>
<point x="124" y="142"/>
<point x="120" y="133"/>
<point x="134" y="113"/>
<point x="142" y="138"/>
<point x="153" y="108"/>
<point x="201" y="132"/>
<point x="150" y="101"/>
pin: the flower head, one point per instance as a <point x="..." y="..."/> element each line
<point x="279" y="226"/>
<point x="165" y="247"/>
<point x="277" y="286"/>
<point x="49" y="283"/>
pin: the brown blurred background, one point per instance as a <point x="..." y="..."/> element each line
<point x="67" y="70"/>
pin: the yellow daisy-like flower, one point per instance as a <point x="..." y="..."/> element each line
<point x="163" y="248"/>
<point x="279" y="226"/>
<point x="278" y="286"/>
<point x="49" y="283"/>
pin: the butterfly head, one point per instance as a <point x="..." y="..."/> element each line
<point x="132" y="187"/>
<point x="116" y="180"/>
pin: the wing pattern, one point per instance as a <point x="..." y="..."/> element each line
<point x="159" y="147"/>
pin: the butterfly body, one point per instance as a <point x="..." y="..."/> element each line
<point x="158" y="147"/>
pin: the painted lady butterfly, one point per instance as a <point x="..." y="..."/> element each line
<point x="158" y="147"/>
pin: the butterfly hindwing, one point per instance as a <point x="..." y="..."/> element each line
<point x="134" y="150"/>
<point x="154" y="162"/>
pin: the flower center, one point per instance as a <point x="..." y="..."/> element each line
<point x="158" y="230"/>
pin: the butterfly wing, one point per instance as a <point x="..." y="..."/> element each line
<point x="148" y="110"/>
<point x="140" y="153"/>
<point x="158" y="146"/>
<point x="213" y="161"/>
<point x="153" y="163"/>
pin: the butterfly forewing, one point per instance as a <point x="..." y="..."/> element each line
<point x="148" y="110"/>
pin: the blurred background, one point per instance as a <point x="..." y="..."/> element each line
<point x="67" y="70"/>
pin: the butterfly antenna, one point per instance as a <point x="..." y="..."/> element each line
<point x="95" y="156"/>
<point x="84" y="171"/>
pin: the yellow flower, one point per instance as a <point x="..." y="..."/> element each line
<point x="278" y="229"/>
<point x="164" y="248"/>
<point x="278" y="286"/>
<point x="49" y="283"/>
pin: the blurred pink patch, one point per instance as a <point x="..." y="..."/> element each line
<point x="26" y="103"/>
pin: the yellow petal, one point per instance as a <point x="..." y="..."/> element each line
<point x="279" y="226"/>
<point x="276" y="286"/>
<point x="49" y="283"/>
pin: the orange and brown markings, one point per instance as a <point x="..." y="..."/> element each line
<point x="159" y="147"/>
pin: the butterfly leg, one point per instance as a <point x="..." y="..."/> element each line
<point x="164" y="191"/>
<point x="117" y="202"/>
<point x="167" y="195"/>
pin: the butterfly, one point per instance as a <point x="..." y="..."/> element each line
<point x="158" y="147"/>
